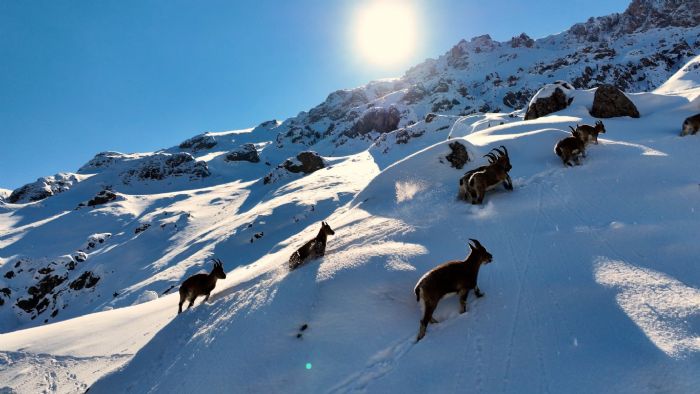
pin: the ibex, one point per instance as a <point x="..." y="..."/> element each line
<point x="488" y="177"/>
<point x="570" y="148"/>
<point x="691" y="125"/>
<point x="590" y="133"/>
<point x="451" y="277"/>
<point x="312" y="249"/>
<point x="200" y="284"/>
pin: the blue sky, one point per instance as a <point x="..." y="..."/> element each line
<point x="80" y="77"/>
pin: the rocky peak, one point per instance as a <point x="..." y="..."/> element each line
<point x="640" y="16"/>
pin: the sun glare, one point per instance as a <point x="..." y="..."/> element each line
<point x="385" y="31"/>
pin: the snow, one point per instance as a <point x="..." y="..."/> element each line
<point x="592" y="264"/>
<point x="594" y="287"/>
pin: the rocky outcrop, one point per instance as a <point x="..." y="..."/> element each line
<point x="43" y="188"/>
<point x="304" y="162"/>
<point x="245" y="152"/>
<point x="100" y="198"/>
<point x="551" y="98"/>
<point x="610" y="102"/>
<point x="162" y="165"/>
<point x="379" y="119"/>
<point x="199" y="142"/>
<point x="86" y="280"/>
<point x="102" y="161"/>
<point x="459" y="156"/>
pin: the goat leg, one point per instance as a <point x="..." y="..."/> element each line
<point x="478" y="292"/>
<point x="508" y="184"/>
<point x="463" y="300"/>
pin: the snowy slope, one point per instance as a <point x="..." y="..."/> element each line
<point x="595" y="270"/>
<point x="595" y="266"/>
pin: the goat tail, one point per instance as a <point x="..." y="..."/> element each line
<point x="417" y="290"/>
<point x="557" y="150"/>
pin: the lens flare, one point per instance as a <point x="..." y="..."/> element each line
<point x="385" y="31"/>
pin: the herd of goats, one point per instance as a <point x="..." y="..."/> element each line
<point x="458" y="276"/>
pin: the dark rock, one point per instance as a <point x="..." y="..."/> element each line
<point x="414" y="94"/>
<point x="429" y="117"/>
<point x="379" y="119"/>
<point x="43" y="287"/>
<point x="269" y="124"/>
<point x="199" y="142"/>
<point x="142" y="228"/>
<point x="610" y="102"/>
<point x="522" y="40"/>
<point x="306" y="162"/>
<point x="6" y="291"/>
<point x="86" y="280"/>
<point x="459" y="156"/>
<point x="551" y="98"/>
<point x="163" y="165"/>
<point x="102" y="197"/>
<point x="245" y="152"/>
<point x="43" y="188"/>
<point x="80" y="256"/>
<point x="10" y="274"/>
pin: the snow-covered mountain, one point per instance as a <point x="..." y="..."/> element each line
<point x="591" y="264"/>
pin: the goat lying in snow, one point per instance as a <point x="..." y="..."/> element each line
<point x="691" y="125"/>
<point x="313" y="248"/>
<point x="570" y="148"/>
<point x="590" y="133"/>
<point x="475" y="183"/>
<point x="200" y="284"/>
<point x="451" y="277"/>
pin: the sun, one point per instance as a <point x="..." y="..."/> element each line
<point x="385" y="32"/>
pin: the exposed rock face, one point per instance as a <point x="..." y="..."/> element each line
<point x="102" y="197"/>
<point x="305" y="162"/>
<point x="37" y="301"/>
<point x="43" y="188"/>
<point x="459" y="156"/>
<point x="163" y="165"/>
<point x="610" y="102"/>
<point x="85" y="281"/>
<point x="245" y="152"/>
<point x="523" y="40"/>
<point x="101" y="161"/>
<point x="269" y="124"/>
<point x="199" y="142"/>
<point x="551" y="98"/>
<point x="379" y="119"/>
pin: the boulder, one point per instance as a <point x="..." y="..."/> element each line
<point x="379" y="119"/>
<point x="611" y="102"/>
<point x="551" y="98"/>
<point x="459" y="156"/>
<point x="245" y="152"/>
<point x="100" y="198"/>
<point x="306" y="162"/>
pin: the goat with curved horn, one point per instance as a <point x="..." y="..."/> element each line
<point x="200" y="284"/>
<point x="451" y="277"/>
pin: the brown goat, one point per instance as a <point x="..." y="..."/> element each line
<point x="570" y="148"/>
<point x="200" y="284"/>
<point x="590" y="133"/>
<point x="488" y="177"/>
<point x="451" y="277"/>
<point x="691" y="125"/>
<point x="312" y="249"/>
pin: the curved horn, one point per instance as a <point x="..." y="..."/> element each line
<point x="572" y="129"/>
<point x="504" y="149"/>
<point x="491" y="157"/>
<point x="500" y="152"/>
